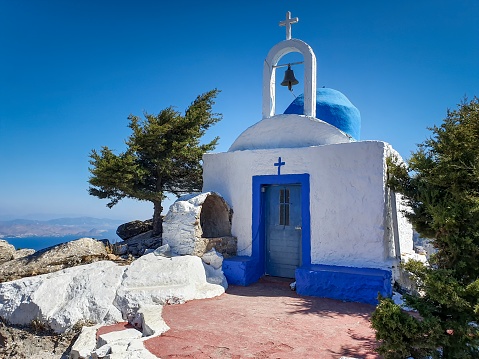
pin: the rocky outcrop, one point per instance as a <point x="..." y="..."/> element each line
<point x="20" y="253"/>
<point x="63" y="298"/>
<point x="134" y="228"/>
<point x="197" y="223"/>
<point x="6" y="251"/>
<point x="65" y="255"/>
<point x="138" y="245"/>
<point x="104" y="291"/>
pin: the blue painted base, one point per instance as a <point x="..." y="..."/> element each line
<point x="242" y="270"/>
<point x="344" y="283"/>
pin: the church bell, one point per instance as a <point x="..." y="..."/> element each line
<point x="289" y="79"/>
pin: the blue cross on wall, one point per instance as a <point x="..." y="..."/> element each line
<point x="279" y="164"/>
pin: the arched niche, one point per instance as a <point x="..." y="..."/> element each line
<point x="215" y="217"/>
<point x="269" y="79"/>
<point x="198" y="222"/>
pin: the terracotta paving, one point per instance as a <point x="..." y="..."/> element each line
<point x="265" y="320"/>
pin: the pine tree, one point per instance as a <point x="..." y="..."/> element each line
<point x="163" y="156"/>
<point x="441" y="185"/>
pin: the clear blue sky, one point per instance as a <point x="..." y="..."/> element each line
<point x="72" y="71"/>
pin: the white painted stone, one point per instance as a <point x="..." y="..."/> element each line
<point x="85" y="343"/>
<point x="407" y="256"/>
<point x="404" y="227"/>
<point x="347" y="202"/>
<point x="152" y="322"/>
<point x="152" y="280"/>
<point x="398" y="299"/>
<point x="181" y="225"/>
<point x="130" y="349"/>
<point x="121" y="345"/>
<point x="123" y="336"/>
<point x="136" y="354"/>
<point x="215" y="276"/>
<point x="64" y="298"/>
<point x="101" y="352"/>
<point x="213" y="258"/>
<point x="164" y="251"/>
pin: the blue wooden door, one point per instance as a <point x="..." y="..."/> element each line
<point x="283" y="230"/>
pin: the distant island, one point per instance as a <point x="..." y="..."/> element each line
<point x="60" y="227"/>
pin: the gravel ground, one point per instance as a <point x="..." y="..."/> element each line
<point x="34" y="342"/>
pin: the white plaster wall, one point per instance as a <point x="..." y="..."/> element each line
<point x="404" y="227"/>
<point x="347" y="183"/>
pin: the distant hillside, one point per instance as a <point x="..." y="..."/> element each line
<point x="81" y="226"/>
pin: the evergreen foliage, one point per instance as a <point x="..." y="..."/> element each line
<point x="163" y="155"/>
<point x="441" y="185"/>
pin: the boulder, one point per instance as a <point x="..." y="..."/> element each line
<point x="122" y="337"/>
<point x="6" y="251"/>
<point x="213" y="258"/>
<point x="23" y="253"/>
<point x="154" y="280"/>
<point x="64" y="298"/>
<point x="151" y="321"/>
<point x="85" y="343"/>
<point x="137" y="245"/>
<point x="134" y="228"/>
<point x="65" y="255"/>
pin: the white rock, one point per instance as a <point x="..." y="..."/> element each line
<point x="7" y="251"/>
<point x="215" y="276"/>
<point x="125" y="335"/>
<point x="135" y="354"/>
<point x="101" y="352"/>
<point x="164" y="251"/>
<point x="121" y="345"/>
<point x="180" y="223"/>
<point x="152" y="322"/>
<point x="85" y="343"/>
<point x="397" y="299"/>
<point x="152" y="280"/>
<point x="213" y="258"/>
<point x="64" y="298"/>
<point x="407" y="256"/>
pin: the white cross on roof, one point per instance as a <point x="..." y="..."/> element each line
<point x="287" y="23"/>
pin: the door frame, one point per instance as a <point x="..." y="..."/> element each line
<point x="258" y="244"/>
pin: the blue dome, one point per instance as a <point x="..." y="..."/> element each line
<point x="334" y="108"/>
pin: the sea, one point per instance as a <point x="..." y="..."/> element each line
<point x="38" y="243"/>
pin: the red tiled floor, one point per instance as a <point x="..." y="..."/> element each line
<point x="266" y="320"/>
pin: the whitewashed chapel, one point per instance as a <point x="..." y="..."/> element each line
<point x="309" y="199"/>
